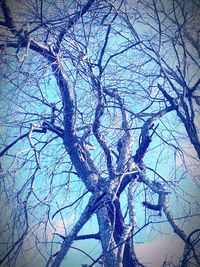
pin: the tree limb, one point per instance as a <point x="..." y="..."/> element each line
<point x="96" y="200"/>
<point x="71" y="22"/>
<point x="42" y="130"/>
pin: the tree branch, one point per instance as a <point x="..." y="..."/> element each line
<point x="82" y="237"/>
<point x="68" y="206"/>
<point x="86" y="171"/>
<point x="145" y="134"/>
<point x="96" y="127"/>
<point x="71" y="22"/>
<point x="23" y="40"/>
<point x="42" y="130"/>
<point x="96" y="200"/>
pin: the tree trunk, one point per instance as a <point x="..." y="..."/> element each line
<point x="111" y="228"/>
<point x="106" y="236"/>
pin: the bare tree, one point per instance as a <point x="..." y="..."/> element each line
<point x="100" y="108"/>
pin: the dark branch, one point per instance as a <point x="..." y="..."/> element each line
<point x="43" y="130"/>
<point x="71" y="22"/>
<point x="82" y="237"/>
<point x="146" y="136"/>
<point x="68" y="206"/>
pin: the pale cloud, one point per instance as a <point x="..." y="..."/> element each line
<point x="190" y="160"/>
<point x="156" y="252"/>
<point x="44" y="233"/>
<point x="61" y="226"/>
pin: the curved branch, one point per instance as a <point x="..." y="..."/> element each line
<point x="22" y="35"/>
<point x="9" y="22"/>
<point x="126" y="141"/>
<point x="96" y="200"/>
<point x="71" y="22"/>
<point x="170" y="219"/>
<point x="187" y="121"/>
<point x="68" y="206"/>
<point x="146" y="136"/>
<point x="42" y="130"/>
<point x="189" y="246"/>
<point x="86" y="170"/>
<point x="96" y="127"/>
<point x="82" y="237"/>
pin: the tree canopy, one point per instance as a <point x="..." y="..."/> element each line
<point x="100" y="139"/>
